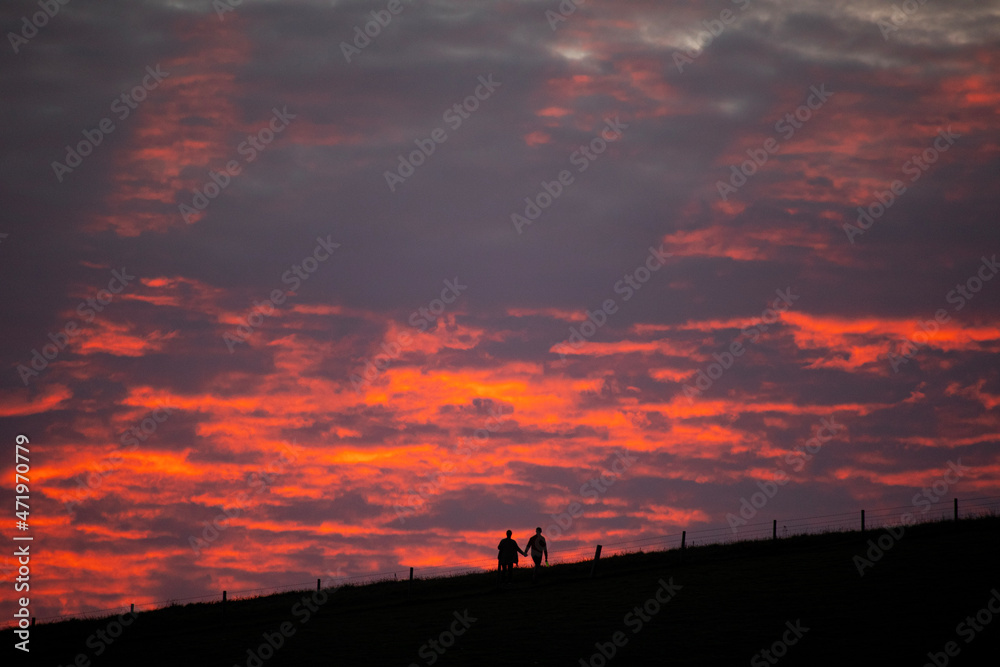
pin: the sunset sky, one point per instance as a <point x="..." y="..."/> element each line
<point x="380" y="297"/>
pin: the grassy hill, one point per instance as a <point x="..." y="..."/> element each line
<point x="724" y="605"/>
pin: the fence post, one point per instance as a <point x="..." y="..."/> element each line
<point x="132" y="610"/>
<point x="32" y="621"/>
<point x="409" y="586"/>
<point x="597" y="557"/>
<point x="956" y="509"/>
<point x="684" y="534"/>
<point x="317" y="585"/>
<point x="774" y="530"/>
<point x="862" y="521"/>
<point x="223" y="605"/>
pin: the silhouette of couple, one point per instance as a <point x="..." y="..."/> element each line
<point x="508" y="550"/>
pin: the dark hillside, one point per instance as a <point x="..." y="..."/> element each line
<point x="729" y="602"/>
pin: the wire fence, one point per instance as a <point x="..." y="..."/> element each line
<point x="879" y="518"/>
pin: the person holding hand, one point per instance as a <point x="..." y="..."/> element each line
<point x="537" y="546"/>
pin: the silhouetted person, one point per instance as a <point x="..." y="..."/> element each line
<point x="537" y="547"/>
<point x="507" y="552"/>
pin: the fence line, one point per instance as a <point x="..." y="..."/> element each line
<point x="971" y="508"/>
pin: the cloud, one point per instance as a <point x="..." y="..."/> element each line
<point x="470" y="416"/>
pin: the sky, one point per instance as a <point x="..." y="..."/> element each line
<point x="294" y="290"/>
